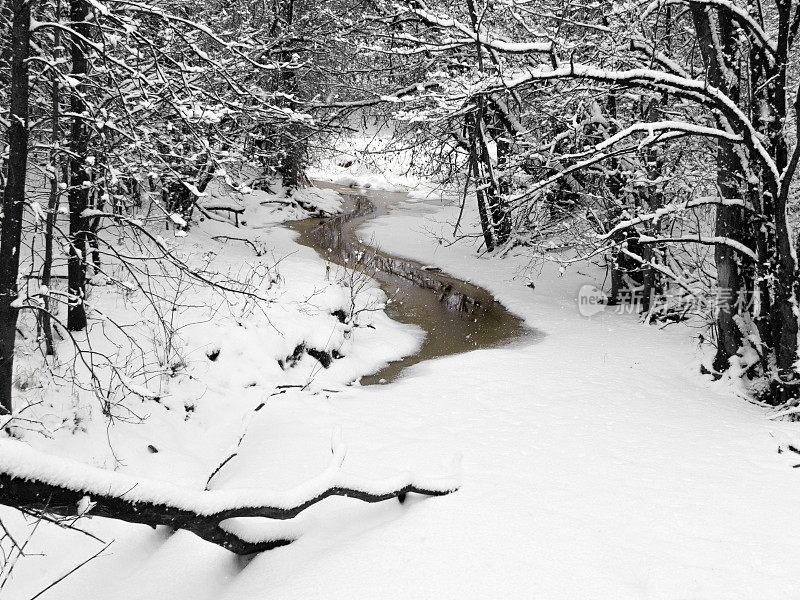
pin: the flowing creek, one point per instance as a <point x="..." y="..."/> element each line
<point x="455" y="315"/>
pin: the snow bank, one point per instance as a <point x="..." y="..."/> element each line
<point x="597" y="462"/>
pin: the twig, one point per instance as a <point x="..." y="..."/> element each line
<point x="255" y="248"/>
<point x="71" y="571"/>
<point x="219" y="467"/>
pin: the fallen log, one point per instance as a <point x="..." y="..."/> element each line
<point x="52" y="485"/>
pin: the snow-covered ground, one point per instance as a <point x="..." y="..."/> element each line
<point x="595" y="463"/>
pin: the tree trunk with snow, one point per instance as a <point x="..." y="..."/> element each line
<point x="495" y="220"/>
<point x="80" y="179"/>
<point x="717" y="44"/>
<point x="477" y="167"/>
<point x="291" y="165"/>
<point x="653" y="199"/>
<point x="14" y="196"/>
<point x="782" y="258"/>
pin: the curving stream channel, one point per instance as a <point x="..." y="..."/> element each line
<point x="455" y="315"/>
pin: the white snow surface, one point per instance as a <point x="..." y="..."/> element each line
<point x="370" y="161"/>
<point x="595" y="463"/>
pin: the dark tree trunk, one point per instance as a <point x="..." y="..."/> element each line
<point x="774" y="273"/>
<point x="784" y="318"/>
<point x="291" y="166"/>
<point x="653" y="200"/>
<point x="732" y="282"/>
<point x="730" y="223"/>
<point x="480" y="192"/>
<point x="616" y="188"/>
<point x="14" y="196"/>
<point x="80" y="179"/>
<point x="495" y="219"/>
<point x="763" y="236"/>
<point x="655" y="191"/>
<point x="500" y="218"/>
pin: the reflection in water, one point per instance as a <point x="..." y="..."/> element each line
<point x="456" y="316"/>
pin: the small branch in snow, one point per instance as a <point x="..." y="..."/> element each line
<point x="256" y="249"/>
<point x="71" y="571"/>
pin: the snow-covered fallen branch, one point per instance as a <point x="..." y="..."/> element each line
<point x="33" y="480"/>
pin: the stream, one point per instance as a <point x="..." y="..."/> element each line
<point x="456" y="316"/>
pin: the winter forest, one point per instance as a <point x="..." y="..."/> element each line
<point x="387" y="299"/>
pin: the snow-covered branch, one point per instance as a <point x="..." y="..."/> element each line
<point x="698" y="90"/>
<point x="486" y="41"/>
<point x="657" y="57"/>
<point x="739" y="14"/>
<point x="716" y="240"/>
<point x="670" y="209"/>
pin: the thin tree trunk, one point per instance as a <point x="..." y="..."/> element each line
<point x="500" y="219"/>
<point x="476" y="145"/>
<point x="52" y="206"/>
<point x="654" y="200"/>
<point x="503" y="188"/>
<point x="616" y="187"/>
<point x="291" y="168"/>
<point x="79" y="177"/>
<point x="14" y="197"/>
<point x="478" y="177"/>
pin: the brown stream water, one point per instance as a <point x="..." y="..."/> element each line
<point x="456" y="316"/>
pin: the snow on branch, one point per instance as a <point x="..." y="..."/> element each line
<point x="671" y="209"/>
<point x="666" y="126"/>
<point x="493" y="43"/>
<point x="639" y="45"/>
<point x="739" y="14"/>
<point x="699" y="239"/>
<point x="157" y="12"/>
<point x="31" y="479"/>
<point x="594" y="158"/>
<point x="698" y="90"/>
<point x="659" y="131"/>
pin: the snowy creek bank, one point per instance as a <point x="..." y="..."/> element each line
<point x="456" y="316"/>
<point x="594" y="461"/>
